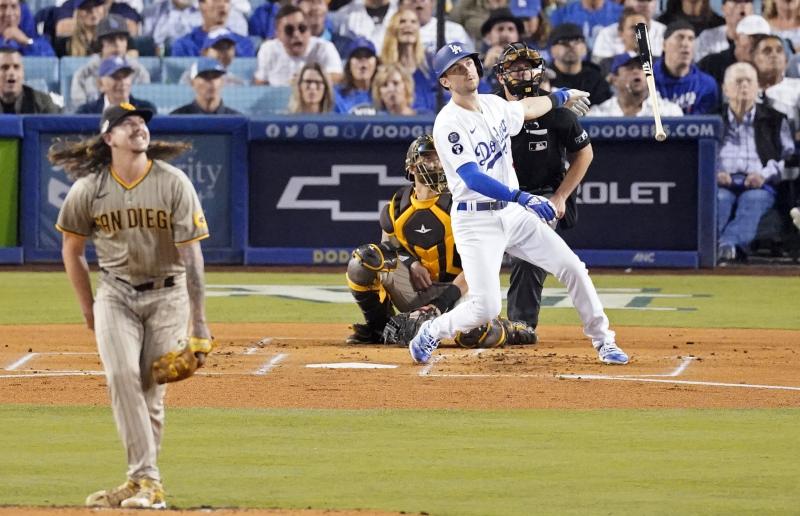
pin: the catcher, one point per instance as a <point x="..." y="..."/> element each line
<point x="416" y="268"/>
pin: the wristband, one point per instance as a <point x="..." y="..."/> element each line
<point x="558" y="98"/>
<point x="448" y="298"/>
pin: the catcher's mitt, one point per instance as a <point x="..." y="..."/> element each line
<point x="402" y="327"/>
<point x="181" y="364"/>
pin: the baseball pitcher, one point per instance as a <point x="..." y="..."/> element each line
<point x="145" y="220"/>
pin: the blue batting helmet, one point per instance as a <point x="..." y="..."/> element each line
<point x="450" y="54"/>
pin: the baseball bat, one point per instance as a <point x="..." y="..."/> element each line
<point x="643" y="41"/>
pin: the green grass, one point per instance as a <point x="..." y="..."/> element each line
<point x="725" y="302"/>
<point x="441" y="462"/>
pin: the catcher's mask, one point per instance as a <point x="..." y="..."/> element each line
<point x="521" y="82"/>
<point x="423" y="162"/>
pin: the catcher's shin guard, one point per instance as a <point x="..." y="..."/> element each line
<point x="497" y="333"/>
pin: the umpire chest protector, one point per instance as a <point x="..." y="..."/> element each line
<point x="540" y="148"/>
<point x="423" y="229"/>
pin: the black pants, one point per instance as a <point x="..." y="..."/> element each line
<point x="527" y="280"/>
<point x="525" y="292"/>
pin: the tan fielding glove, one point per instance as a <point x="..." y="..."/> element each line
<point x="181" y="364"/>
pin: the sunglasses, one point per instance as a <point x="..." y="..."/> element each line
<point x="289" y="29"/>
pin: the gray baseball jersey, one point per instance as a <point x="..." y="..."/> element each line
<point x="138" y="315"/>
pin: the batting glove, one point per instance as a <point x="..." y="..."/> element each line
<point x="576" y="101"/>
<point x="540" y="206"/>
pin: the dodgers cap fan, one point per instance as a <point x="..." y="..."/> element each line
<point x="450" y="54"/>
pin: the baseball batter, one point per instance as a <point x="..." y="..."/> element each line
<point x="491" y="215"/>
<point x="145" y="220"/>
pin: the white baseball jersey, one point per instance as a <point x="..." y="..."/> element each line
<point x="483" y="137"/>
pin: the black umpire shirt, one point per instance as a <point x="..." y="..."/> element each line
<point x="539" y="152"/>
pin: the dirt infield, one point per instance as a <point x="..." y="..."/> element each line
<point x="307" y="366"/>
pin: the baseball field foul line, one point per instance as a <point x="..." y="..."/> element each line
<point x="678" y="382"/>
<point x="25" y="358"/>
<point x="271" y="363"/>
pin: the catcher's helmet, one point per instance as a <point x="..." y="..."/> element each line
<point x="527" y="86"/>
<point x="423" y="162"/>
<point x="450" y="54"/>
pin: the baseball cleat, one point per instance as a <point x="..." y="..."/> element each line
<point x="112" y="497"/>
<point x="150" y="496"/>
<point x="609" y="353"/>
<point x="364" y="334"/>
<point x="423" y="344"/>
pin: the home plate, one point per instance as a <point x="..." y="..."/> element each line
<point x="352" y="365"/>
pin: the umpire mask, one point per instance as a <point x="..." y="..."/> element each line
<point x="521" y="68"/>
<point x="422" y="162"/>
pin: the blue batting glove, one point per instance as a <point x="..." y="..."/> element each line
<point x="540" y="206"/>
<point x="560" y="96"/>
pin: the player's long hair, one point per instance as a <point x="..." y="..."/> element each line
<point x="92" y="155"/>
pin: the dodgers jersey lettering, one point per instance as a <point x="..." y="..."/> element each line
<point x="135" y="227"/>
<point x="462" y="136"/>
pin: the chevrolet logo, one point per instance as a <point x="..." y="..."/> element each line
<point x="291" y="197"/>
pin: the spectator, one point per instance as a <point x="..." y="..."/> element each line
<point x="782" y="93"/>
<point x="747" y="31"/>
<point x="428" y="23"/>
<point x="568" y="49"/>
<point x="697" y="13"/>
<point x="393" y="91"/>
<point x="631" y="98"/>
<point x="590" y="15"/>
<point x="15" y="97"/>
<point x="364" y="18"/>
<point x="66" y="23"/>
<point x="262" y="21"/>
<point x="471" y="14"/>
<point x="215" y="14"/>
<point x="711" y="41"/>
<point x="354" y="94"/>
<point x="168" y="20"/>
<point x="626" y="32"/>
<point x="219" y="45"/>
<point x="116" y="79"/>
<point x="402" y="45"/>
<point x="281" y="58"/>
<point x="112" y="38"/>
<point x="500" y="29"/>
<point x="784" y="18"/>
<point x="755" y="142"/>
<point x="10" y="30"/>
<point x="86" y="16"/>
<point x="535" y="26"/>
<point x="612" y="41"/>
<point x="678" y="79"/>
<point x="311" y="92"/>
<point x="316" y="11"/>
<point x="207" y="83"/>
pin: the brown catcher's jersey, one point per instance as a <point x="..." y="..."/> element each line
<point x="135" y="227"/>
<point x="423" y="229"/>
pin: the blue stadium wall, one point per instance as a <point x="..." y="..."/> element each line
<point x="305" y="191"/>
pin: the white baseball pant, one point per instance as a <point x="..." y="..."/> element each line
<point x="483" y="236"/>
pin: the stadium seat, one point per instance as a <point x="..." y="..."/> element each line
<point x="258" y="101"/>
<point x="41" y="73"/>
<point x="166" y="97"/>
<point x="244" y="67"/>
<point x="153" y="66"/>
<point x="173" y="68"/>
<point x="68" y="66"/>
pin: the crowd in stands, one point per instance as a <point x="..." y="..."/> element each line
<point x="739" y="59"/>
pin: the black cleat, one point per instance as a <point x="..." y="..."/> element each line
<point x="364" y="334"/>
